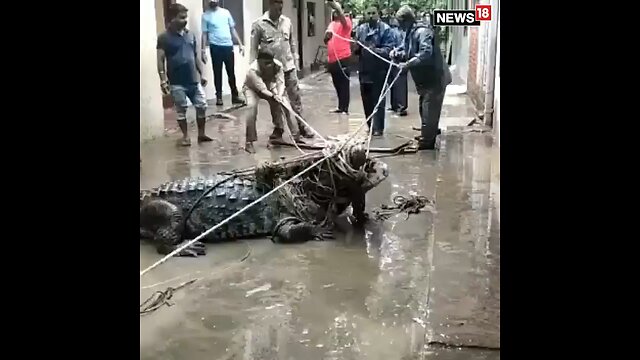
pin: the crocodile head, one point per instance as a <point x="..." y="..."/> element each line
<point x="377" y="171"/>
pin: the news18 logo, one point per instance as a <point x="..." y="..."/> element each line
<point x="462" y="17"/>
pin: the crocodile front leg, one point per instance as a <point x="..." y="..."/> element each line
<point x="292" y="230"/>
<point x="358" y="203"/>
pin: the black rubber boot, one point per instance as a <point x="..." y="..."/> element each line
<point x="236" y="100"/>
<point x="276" y="134"/>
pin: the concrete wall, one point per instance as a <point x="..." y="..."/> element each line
<point x="159" y="16"/>
<point x="496" y="108"/>
<point x="151" y="112"/>
<point x="478" y="54"/>
<point x="311" y="44"/>
<point x="459" y="43"/>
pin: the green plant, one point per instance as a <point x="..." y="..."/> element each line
<point x="358" y="6"/>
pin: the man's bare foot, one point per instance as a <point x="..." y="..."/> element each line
<point x="248" y="147"/>
<point x="204" y="138"/>
<point x="184" y="142"/>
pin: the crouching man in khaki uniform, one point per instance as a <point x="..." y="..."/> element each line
<point x="265" y="80"/>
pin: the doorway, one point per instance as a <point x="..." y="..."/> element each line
<point x="300" y="16"/>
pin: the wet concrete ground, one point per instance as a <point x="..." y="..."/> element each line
<point x="398" y="290"/>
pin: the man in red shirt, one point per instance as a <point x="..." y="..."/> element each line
<point x="339" y="52"/>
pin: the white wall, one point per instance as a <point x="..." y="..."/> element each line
<point x="151" y="112"/>
<point x="159" y="16"/>
<point x="311" y="44"/>
<point x="483" y="50"/>
<point x="460" y="44"/>
<point x="496" y="106"/>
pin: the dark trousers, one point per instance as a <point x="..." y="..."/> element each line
<point x="370" y="93"/>
<point x="430" y="109"/>
<point x="223" y="55"/>
<point x="399" y="92"/>
<point x="340" y="74"/>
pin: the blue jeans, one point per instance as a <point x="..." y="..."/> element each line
<point x="195" y="93"/>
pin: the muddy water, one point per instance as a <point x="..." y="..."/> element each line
<point x="381" y="293"/>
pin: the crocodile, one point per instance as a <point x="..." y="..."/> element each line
<point x="168" y="216"/>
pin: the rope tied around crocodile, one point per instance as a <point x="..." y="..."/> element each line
<point x="401" y="204"/>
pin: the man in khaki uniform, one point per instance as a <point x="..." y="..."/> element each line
<point x="266" y="80"/>
<point x="274" y="31"/>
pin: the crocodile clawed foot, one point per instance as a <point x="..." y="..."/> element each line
<point x="301" y="232"/>
<point x="324" y="235"/>
<point x="194" y="250"/>
<point x="359" y="220"/>
<point x="294" y="233"/>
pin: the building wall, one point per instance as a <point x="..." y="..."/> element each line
<point x="312" y="43"/>
<point x="159" y="16"/>
<point x="472" y="85"/>
<point x="151" y="112"/>
<point x="460" y="43"/>
<point x="496" y="108"/>
<point x="478" y="54"/>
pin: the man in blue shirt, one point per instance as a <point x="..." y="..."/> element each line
<point x="177" y="51"/>
<point x="218" y="27"/>
<point x="378" y="38"/>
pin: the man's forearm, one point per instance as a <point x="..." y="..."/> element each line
<point x="255" y="83"/>
<point x="280" y="88"/>
<point x="253" y="46"/>
<point x="160" y="66"/>
<point x="236" y="36"/>
<point x="294" y="46"/>
<point x="339" y="13"/>
<point x="205" y="40"/>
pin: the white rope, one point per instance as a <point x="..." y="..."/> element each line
<point x="286" y="106"/>
<point x="369" y="50"/>
<point x="197" y="238"/>
<point x="295" y="143"/>
<point x="335" y="54"/>
<point x="382" y="96"/>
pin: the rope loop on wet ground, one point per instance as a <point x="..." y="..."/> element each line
<point x="412" y="205"/>
<point x="160" y="298"/>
